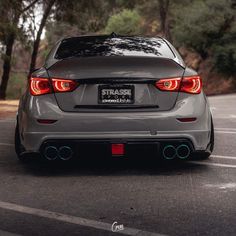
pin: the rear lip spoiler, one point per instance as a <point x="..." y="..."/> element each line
<point x="111" y="80"/>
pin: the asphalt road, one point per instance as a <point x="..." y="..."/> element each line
<point x="191" y="198"/>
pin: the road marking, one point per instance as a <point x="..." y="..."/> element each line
<point x="212" y="164"/>
<point x="233" y="129"/>
<point x="5" y="233"/>
<point x="222" y="117"/>
<point x="72" y="219"/>
<point x="225" y="132"/>
<point x="6" y="144"/>
<point x="224" y="157"/>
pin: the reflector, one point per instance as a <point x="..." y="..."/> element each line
<point x="117" y="149"/>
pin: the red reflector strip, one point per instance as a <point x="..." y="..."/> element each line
<point x="117" y="149"/>
<point x="187" y="119"/>
<point x="43" y="121"/>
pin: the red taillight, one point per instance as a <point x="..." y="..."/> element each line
<point x="63" y="85"/>
<point x="117" y="149"/>
<point x="171" y="84"/>
<point x="39" y="86"/>
<point x="191" y="84"/>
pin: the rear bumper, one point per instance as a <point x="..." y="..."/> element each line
<point x="115" y="125"/>
<point x="102" y="148"/>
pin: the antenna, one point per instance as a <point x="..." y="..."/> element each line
<point x="113" y="34"/>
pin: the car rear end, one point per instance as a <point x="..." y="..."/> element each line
<point x="114" y="95"/>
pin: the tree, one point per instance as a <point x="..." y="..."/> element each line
<point x="127" y="22"/>
<point x="164" y="8"/>
<point x="209" y="28"/>
<point x="11" y="12"/>
<point x="36" y="43"/>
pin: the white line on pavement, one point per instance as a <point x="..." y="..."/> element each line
<point x="225" y="129"/>
<point x="223" y="117"/>
<point x="224" y="157"/>
<point x="225" y="132"/>
<point x="72" y="219"/>
<point x="212" y="164"/>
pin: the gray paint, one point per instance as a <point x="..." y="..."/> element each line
<point x="118" y="123"/>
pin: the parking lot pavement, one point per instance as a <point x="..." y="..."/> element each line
<point x="189" y="198"/>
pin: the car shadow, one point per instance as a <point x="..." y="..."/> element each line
<point x="111" y="168"/>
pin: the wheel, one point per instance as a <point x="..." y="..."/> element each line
<point x="18" y="146"/>
<point x="210" y="148"/>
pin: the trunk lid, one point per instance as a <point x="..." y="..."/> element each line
<point x="97" y="75"/>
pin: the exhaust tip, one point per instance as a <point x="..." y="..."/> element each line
<point x="169" y="152"/>
<point x="183" y="151"/>
<point x="65" y="153"/>
<point x="50" y="153"/>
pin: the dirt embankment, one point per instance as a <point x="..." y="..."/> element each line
<point x="8" y="109"/>
<point x="213" y="82"/>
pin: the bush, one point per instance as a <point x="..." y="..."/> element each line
<point x="208" y="27"/>
<point x="127" y="22"/>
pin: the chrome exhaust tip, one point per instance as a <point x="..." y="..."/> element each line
<point x="183" y="151"/>
<point x="65" y="153"/>
<point x="50" y="153"/>
<point x="169" y="152"/>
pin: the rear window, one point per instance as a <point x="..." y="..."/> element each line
<point x="113" y="46"/>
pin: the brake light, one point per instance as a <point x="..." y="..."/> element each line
<point x="39" y="86"/>
<point x="63" y="85"/>
<point x="191" y="84"/>
<point x="171" y="84"/>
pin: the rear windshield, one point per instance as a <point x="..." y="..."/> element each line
<point x="113" y="46"/>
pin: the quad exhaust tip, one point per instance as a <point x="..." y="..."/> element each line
<point x="65" y="153"/>
<point x="183" y="151"/>
<point x="50" y="153"/>
<point x="169" y="152"/>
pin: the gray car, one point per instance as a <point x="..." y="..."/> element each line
<point x="114" y="95"/>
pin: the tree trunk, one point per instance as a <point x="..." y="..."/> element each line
<point x="6" y="66"/>
<point x="164" y="18"/>
<point x="39" y="33"/>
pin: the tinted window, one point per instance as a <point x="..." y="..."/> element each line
<point x="113" y="46"/>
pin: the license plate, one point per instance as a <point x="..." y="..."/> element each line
<point x="116" y="94"/>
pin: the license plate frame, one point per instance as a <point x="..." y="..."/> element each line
<point x="119" y="94"/>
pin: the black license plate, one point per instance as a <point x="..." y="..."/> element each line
<point x="116" y="94"/>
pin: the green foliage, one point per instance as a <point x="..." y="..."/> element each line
<point x="208" y="26"/>
<point x="16" y="86"/>
<point x="127" y="22"/>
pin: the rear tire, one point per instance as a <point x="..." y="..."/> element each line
<point x="206" y="155"/>
<point x="18" y="146"/>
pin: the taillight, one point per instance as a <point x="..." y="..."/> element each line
<point x="171" y="84"/>
<point x="191" y="84"/>
<point x="39" y="86"/>
<point x="63" y="85"/>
